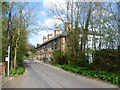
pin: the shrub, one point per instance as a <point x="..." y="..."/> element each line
<point x="20" y="70"/>
<point x="82" y="59"/>
<point x="56" y="55"/>
<point x="104" y="75"/>
<point x="107" y="60"/>
<point x="59" y="58"/>
<point x="12" y="71"/>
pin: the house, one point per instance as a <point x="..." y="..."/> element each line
<point x="58" y="42"/>
<point x="51" y="43"/>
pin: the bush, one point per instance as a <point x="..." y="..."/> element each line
<point x="104" y="75"/>
<point x="107" y="60"/>
<point x="59" y="58"/>
<point x="56" y="55"/>
<point x="39" y="58"/>
<point x="19" y="70"/>
<point x="82" y="59"/>
<point x="12" y="71"/>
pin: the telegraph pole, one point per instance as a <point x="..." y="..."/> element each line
<point x="8" y="39"/>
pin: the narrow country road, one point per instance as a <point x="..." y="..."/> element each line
<point x="41" y="75"/>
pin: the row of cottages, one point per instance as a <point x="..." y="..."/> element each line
<point x="51" y="43"/>
<point x="58" y="42"/>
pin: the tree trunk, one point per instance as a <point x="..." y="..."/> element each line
<point x="15" y="57"/>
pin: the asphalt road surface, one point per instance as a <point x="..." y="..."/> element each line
<point x="41" y="75"/>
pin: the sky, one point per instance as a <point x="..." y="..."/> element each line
<point x="36" y="38"/>
<point x="42" y="21"/>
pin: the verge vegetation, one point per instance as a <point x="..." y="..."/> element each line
<point x="101" y="74"/>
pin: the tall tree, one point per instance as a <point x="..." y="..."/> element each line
<point x="21" y="19"/>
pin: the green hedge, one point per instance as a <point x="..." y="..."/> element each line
<point x="104" y="75"/>
<point x="107" y="60"/>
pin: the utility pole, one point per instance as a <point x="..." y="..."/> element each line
<point x="8" y="39"/>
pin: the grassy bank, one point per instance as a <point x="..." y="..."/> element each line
<point x="104" y="75"/>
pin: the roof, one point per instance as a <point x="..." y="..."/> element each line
<point x="64" y="34"/>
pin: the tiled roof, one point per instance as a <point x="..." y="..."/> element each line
<point x="64" y="34"/>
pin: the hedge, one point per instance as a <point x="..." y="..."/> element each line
<point x="107" y="60"/>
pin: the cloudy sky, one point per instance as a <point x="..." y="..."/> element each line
<point x="46" y="22"/>
<point x="43" y="20"/>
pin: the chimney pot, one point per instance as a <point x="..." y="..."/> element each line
<point x="44" y="39"/>
<point x="56" y="31"/>
<point x="49" y="36"/>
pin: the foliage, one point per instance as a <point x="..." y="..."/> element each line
<point x="39" y="58"/>
<point x="82" y="60"/>
<point x="92" y="21"/>
<point x="4" y="29"/>
<point x="18" y="32"/>
<point x="12" y="71"/>
<point x="57" y="55"/>
<point x="104" y="75"/>
<point x="19" y="70"/>
<point x="72" y="49"/>
<point x="33" y="50"/>
<point x="107" y="60"/>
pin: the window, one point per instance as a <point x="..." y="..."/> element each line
<point x="55" y="47"/>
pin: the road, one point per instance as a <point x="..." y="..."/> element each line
<point x="41" y="75"/>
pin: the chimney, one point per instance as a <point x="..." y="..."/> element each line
<point x="68" y="25"/>
<point x="49" y="36"/>
<point x="44" y="39"/>
<point x="56" y="31"/>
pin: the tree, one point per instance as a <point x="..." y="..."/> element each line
<point x="79" y="14"/>
<point x="98" y="19"/>
<point x="5" y="8"/>
<point x="20" y="21"/>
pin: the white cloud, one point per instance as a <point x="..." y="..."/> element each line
<point x="44" y="33"/>
<point x="38" y="39"/>
<point x="43" y="13"/>
<point x="51" y="23"/>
